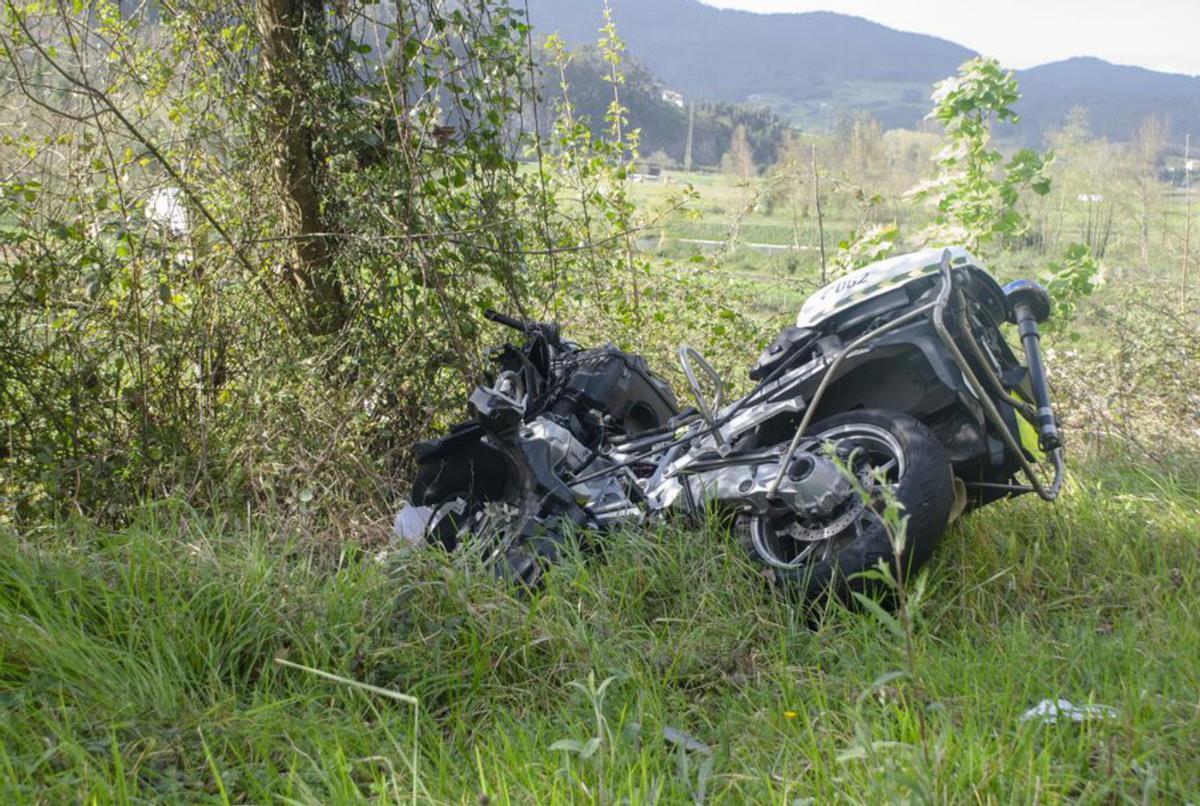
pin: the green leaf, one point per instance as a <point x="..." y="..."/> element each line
<point x="882" y="616"/>
<point x="590" y="748"/>
<point x="881" y="681"/>
<point x="568" y="745"/>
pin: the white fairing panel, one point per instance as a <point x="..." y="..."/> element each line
<point x="873" y="280"/>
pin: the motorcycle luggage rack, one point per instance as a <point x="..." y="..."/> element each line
<point x="937" y="310"/>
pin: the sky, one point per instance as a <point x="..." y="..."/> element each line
<point x="1156" y="34"/>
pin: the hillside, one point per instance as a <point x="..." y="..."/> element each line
<point x="1118" y="98"/>
<point x="661" y="120"/>
<point x="815" y="67"/>
<point x="809" y="66"/>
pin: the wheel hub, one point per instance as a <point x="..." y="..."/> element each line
<point x="797" y="538"/>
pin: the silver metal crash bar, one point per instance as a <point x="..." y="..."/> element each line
<point x="938" y="308"/>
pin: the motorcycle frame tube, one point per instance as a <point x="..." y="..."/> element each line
<point x="997" y="387"/>
<point x="989" y="408"/>
<point x="937" y="308"/>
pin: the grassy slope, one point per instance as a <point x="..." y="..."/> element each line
<point x="139" y="664"/>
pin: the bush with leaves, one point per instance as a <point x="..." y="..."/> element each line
<point x="356" y="181"/>
<point x="976" y="191"/>
<point x="857" y="250"/>
<point x="353" y="183"/>
<point x="1069" y="280"/>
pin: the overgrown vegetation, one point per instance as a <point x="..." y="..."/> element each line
<point x="139" y="664"/>
<point x="245" y="252"/>
<point x="353" y="191"/>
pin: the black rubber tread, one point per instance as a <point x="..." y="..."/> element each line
<point x="926" y="491"/>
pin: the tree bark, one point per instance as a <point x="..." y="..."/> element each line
<point x="283" y="24"/>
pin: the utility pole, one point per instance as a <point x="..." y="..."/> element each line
<point x="816" y="177"/>
<point x="687" y="153"/>
<point x="1187" y="202"/>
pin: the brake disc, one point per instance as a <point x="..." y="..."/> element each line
<point x="831" y="529"/>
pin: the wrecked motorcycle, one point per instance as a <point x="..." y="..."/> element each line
<point x="895" y="383"/>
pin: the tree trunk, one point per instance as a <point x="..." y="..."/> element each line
<point x="282" y="25"/>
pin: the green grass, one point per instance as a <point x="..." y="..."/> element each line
<point x="139" y="665"/>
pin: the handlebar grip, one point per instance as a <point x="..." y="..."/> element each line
<point x="504" y="319"/>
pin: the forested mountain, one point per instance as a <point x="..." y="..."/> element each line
<point x="661" y="117"/>
<point x="814" y="68"/>
<point x="1118" y="98"/>
<point x="811" y="67"/>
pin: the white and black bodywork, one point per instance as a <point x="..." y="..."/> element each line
<point x="896" y="376"/>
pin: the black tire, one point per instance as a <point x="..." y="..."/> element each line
<point x="925" y="488"/>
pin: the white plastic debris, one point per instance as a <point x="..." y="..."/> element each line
<point x="1049" y="712"/>
<point x="411" y="522"/>
<point x="165" y="207"/>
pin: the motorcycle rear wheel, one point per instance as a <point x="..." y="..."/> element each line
<point x="916" y="467"/>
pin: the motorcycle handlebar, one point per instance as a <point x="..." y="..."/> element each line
<point x="547" y="330"/>
<point x="506" y="320"/>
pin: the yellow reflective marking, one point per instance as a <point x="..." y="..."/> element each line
<point x="1029" y="438"/>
